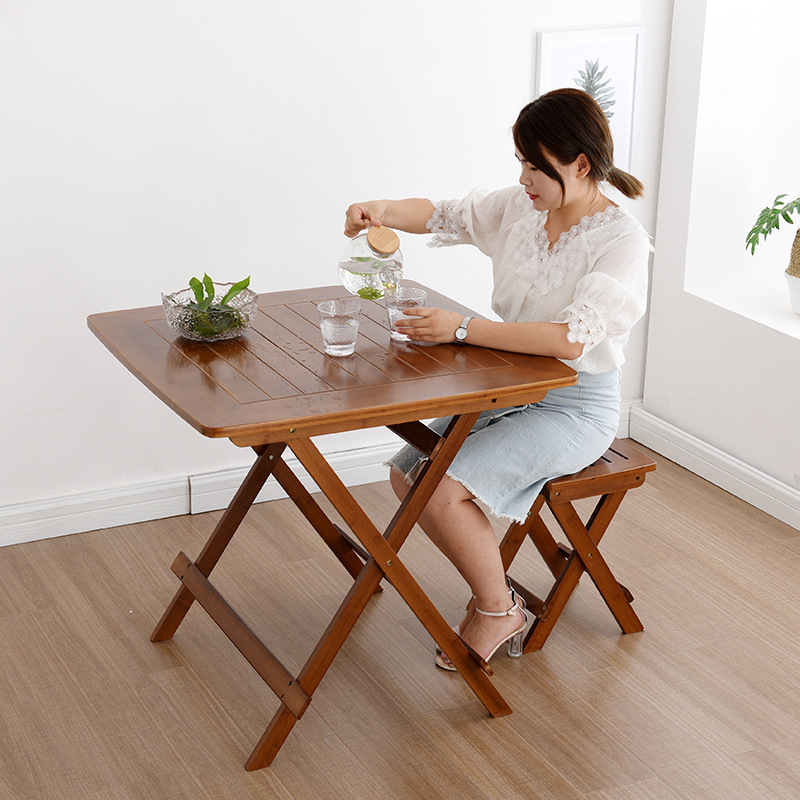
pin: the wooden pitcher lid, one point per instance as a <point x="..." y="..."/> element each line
<point x="383" y="240"/>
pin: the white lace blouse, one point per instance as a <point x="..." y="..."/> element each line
<point x="594" y="277"/>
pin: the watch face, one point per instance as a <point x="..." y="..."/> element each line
<point x="461" y="334"/>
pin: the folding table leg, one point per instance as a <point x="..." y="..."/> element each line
<point x="310" y="509"/>
<point x="384" y="563"/>
<point x="317" y="664"/>
<point x="244" y="498"/>
<point x="384" y="549"/>
<point x="553" y="605"/>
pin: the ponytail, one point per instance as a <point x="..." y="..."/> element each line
<point x="626" y="183"/>
<point x="567" y="122"/>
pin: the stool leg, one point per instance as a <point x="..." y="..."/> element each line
<point x="585" y="542"/>
<point x="556" y="561"/>
<point x="553" y="605"/>
<point x="550" y="551"/>
<point x="516" y="533"/>
<point x="585" y="557"/>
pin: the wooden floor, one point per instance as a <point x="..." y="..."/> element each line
<point x="703" y="704"/>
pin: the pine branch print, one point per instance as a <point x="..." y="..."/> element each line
<point x="591" y="81"/>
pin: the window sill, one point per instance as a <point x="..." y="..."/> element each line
<point x="764" y="301"/>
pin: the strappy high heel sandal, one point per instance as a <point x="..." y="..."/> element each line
<point x="515" y="598"/>
<point x="514" y="639"/>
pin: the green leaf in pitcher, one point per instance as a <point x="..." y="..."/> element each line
<point x="369" y="293"/>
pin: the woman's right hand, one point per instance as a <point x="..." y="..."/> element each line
<point x="361" y="215"/>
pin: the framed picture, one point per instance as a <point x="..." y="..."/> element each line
<point x="603" y="62"/>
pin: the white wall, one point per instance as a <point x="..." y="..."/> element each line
<point x="725" y="383"/>
<point x="144" y="142"/>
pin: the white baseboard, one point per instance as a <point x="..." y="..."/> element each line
<point x="755" y="487"/>
<point x="126" y="505"/>
<point x="624" y="429"/>
<point x="90" y="511"/>
<point x="214" y="490"/>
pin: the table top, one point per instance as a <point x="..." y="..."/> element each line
<point x="275" y="383"/>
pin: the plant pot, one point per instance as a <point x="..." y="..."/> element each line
<point x="794" y="291"/>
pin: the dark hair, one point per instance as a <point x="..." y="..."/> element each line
<point x="566" y="123"/>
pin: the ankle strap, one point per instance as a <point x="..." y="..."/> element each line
<point x="511" y="593"/>
<point x="511" y="611"/>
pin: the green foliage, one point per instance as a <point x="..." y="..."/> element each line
<point x="207" y="318"/>
<point x="205" y="294"/>
<point x="770" y="219"/>
<point x="591" y="81"/>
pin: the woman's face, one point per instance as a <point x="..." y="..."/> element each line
<point x="544" y="191"/>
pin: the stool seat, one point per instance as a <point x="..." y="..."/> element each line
<point x="621" y="468"/>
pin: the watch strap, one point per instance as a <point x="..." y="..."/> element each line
<point x="462" y="327"/>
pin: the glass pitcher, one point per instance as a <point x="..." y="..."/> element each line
<point x="371" y="264"/>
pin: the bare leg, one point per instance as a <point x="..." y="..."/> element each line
<point x="459" y="528"/>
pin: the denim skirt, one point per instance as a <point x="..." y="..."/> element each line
<point x="510" y="453"/>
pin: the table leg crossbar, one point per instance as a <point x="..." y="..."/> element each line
<point x="272" y="672"/>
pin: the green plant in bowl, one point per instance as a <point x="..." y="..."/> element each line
<point x="209" y="311"/>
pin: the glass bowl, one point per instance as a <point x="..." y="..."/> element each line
<point x="215" y="324"/>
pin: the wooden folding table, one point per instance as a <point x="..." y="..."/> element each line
<point x="274" y="388"/>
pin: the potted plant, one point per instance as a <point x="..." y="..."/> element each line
<point x="768" y="220"/>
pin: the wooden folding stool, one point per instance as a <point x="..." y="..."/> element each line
<point x="621" y="468"/>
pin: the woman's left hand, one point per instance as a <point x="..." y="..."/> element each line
<point x="425" y="324"/>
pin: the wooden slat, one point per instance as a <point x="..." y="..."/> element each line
<point x="397" y="360"/>
<point x="622" y="467"/>
<point x="242" y="358"/>
<point x="401" y="361"/>
<point x="454" y="355"/>
<point x="460" y="358"/>
<point x="303" y="353"/>
<point x="358" y="365"/>
<point x="216" y="370"/>
<point x="304" y="380"/>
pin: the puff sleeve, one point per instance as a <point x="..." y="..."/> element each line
<point x="478" y="219"/>
<point x="612" y="296"/>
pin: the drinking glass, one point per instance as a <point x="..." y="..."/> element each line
<point x="338" y="321"/>
<point x="403" y="297"/>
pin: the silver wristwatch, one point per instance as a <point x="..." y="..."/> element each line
<point x="461" y="330"/>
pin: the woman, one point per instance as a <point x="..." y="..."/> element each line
<point x="570" y="281"/>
